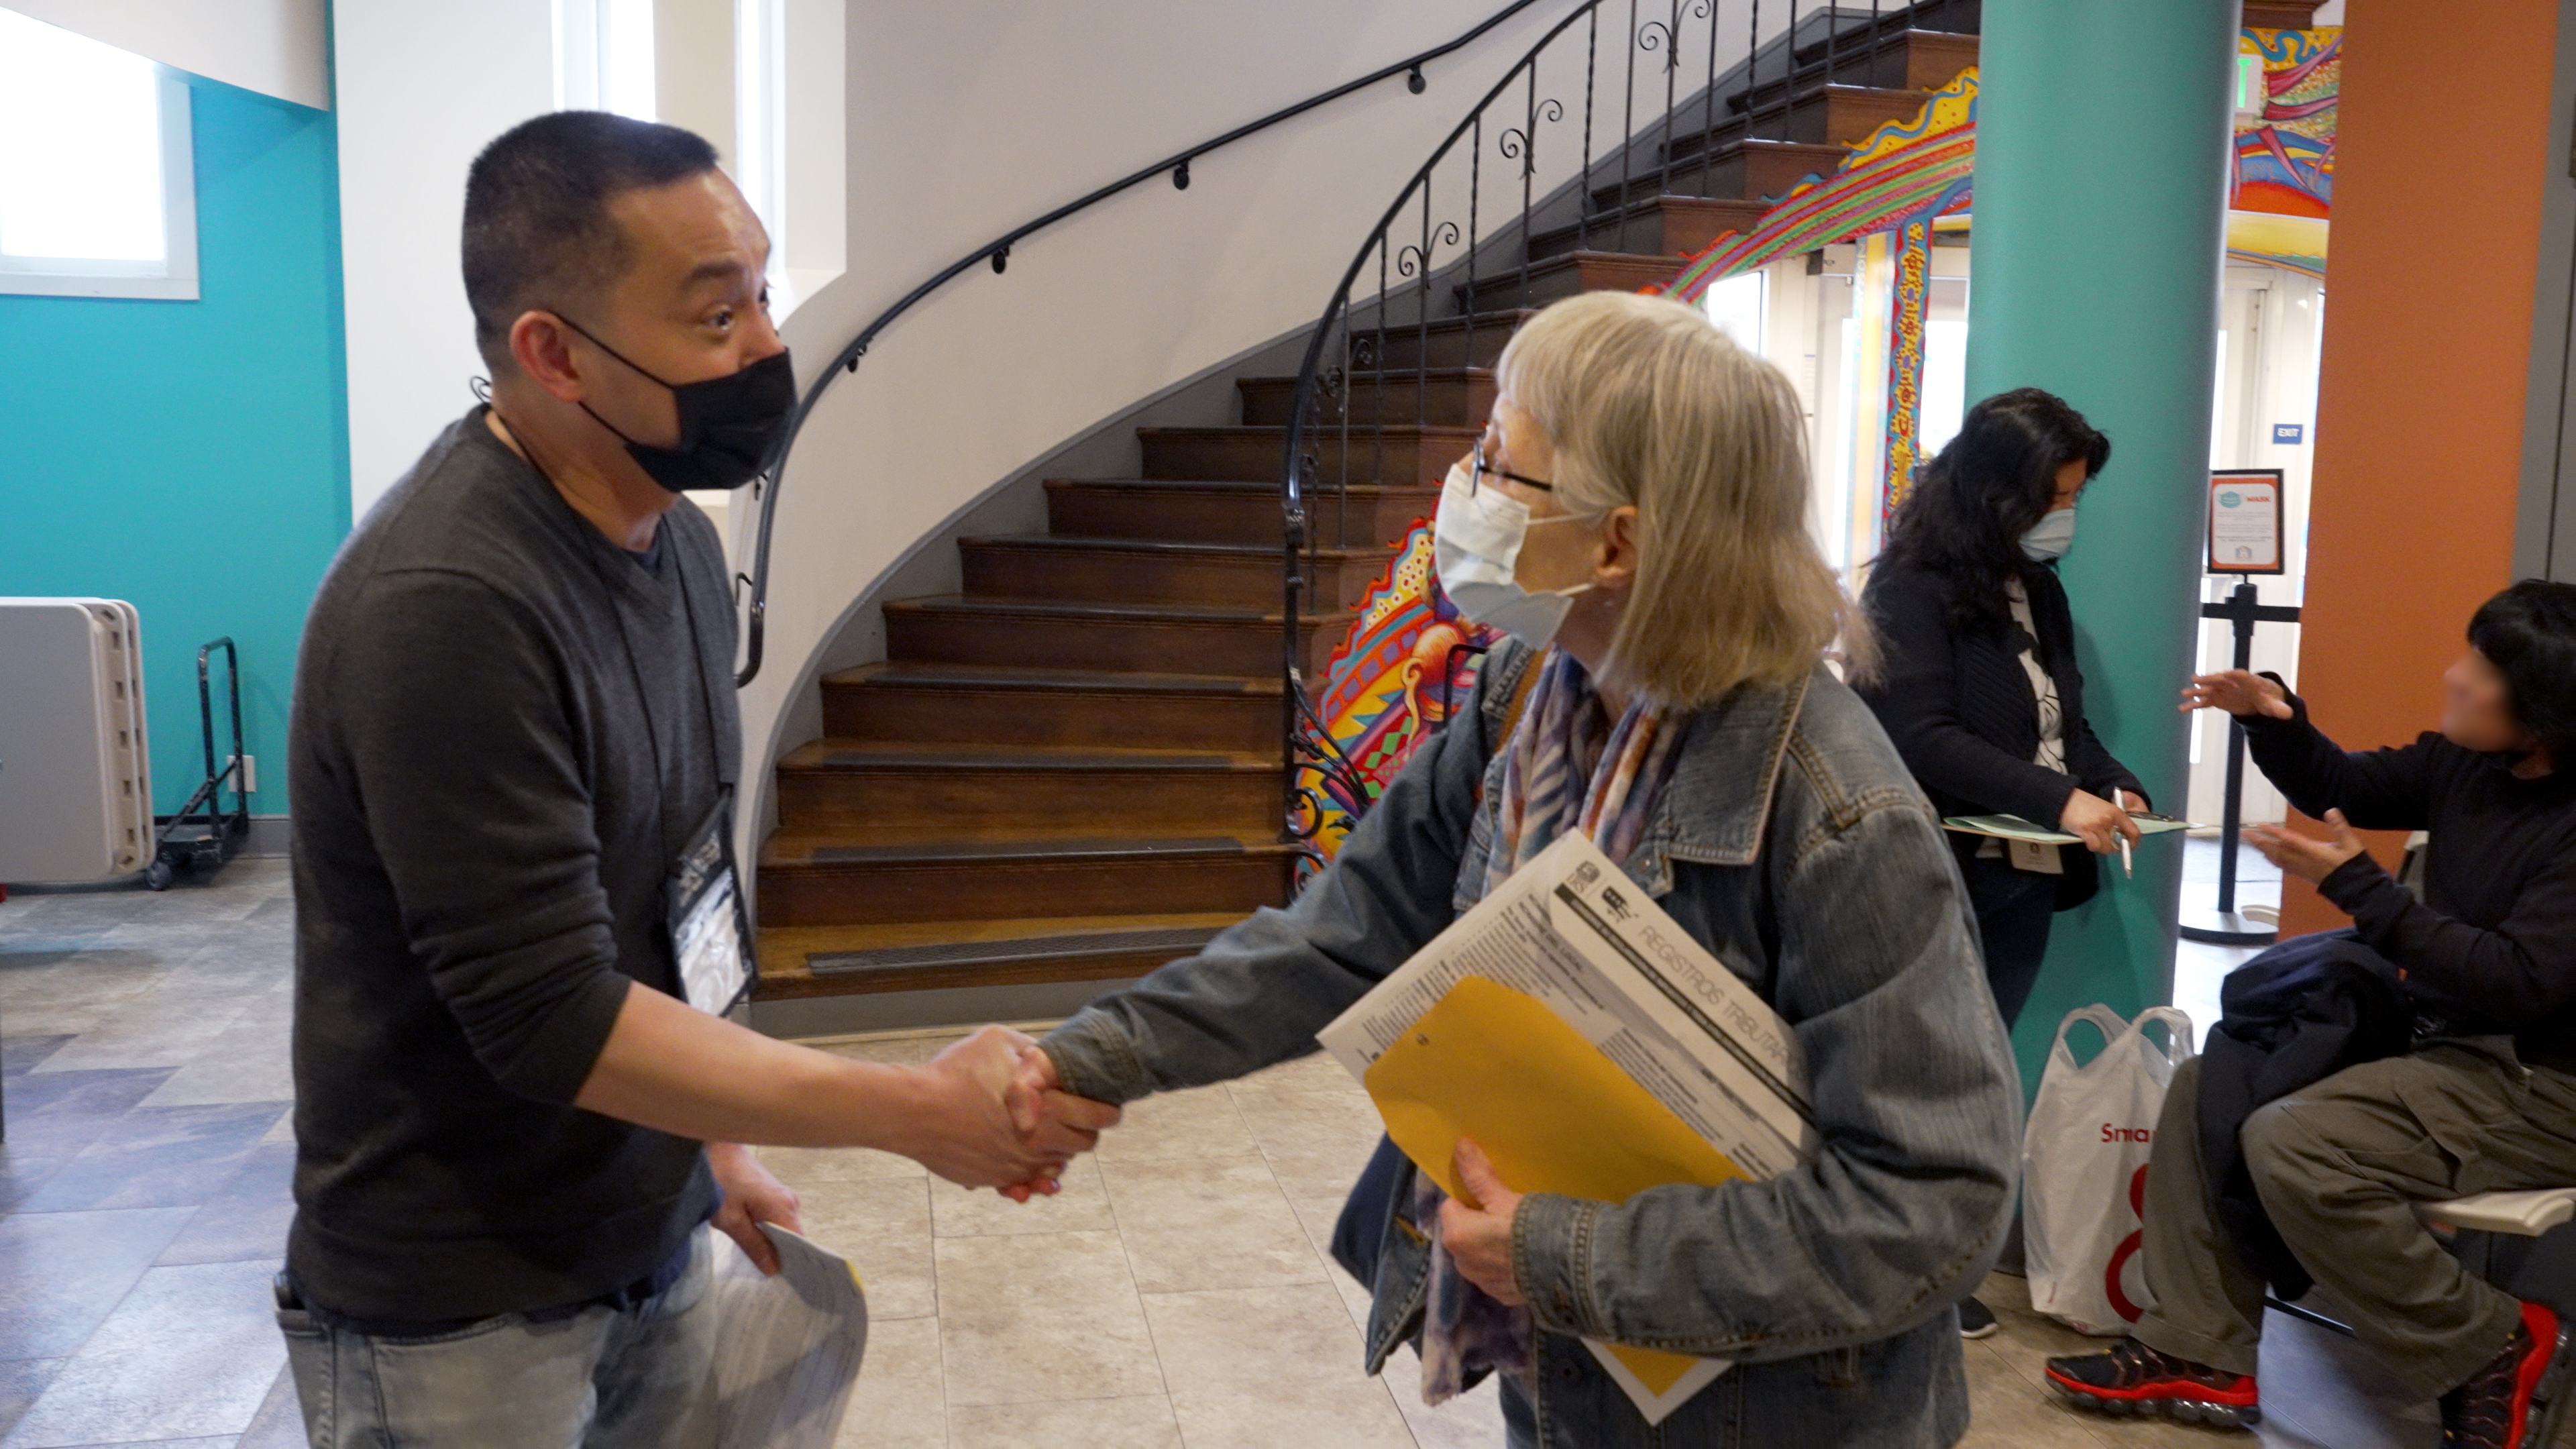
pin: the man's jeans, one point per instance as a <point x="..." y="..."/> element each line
<point x="2339" y="1166"/>
<point x="603" y="1378"/>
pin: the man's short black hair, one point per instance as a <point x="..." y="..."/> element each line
<point x="2529" y="633"/>
<point x="537" y="228"/>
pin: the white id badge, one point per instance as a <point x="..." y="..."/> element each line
<point x="710" y="931"/>
<point x="2036" y="856"/>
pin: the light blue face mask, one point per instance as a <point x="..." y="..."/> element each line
<point x="2050" y="537"/>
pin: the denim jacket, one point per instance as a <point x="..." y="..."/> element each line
<point x="1791" y="842"/>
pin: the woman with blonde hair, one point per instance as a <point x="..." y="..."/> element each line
<point x="1634" y="516"/>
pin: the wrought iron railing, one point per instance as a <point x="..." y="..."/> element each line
<point x="1608" y="88"/>
<point x="997" y="254"/>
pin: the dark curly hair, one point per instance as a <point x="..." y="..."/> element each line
<point x="1970" y="505"/>
<point x="2529" y="633"/>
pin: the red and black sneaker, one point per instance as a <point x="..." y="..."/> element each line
<point x="2513" y="1401"/>
<point x="2132" y="1379"/>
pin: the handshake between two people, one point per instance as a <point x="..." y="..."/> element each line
<point x="997" y="1117"/>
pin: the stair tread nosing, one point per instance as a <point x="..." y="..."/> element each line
<point x="783" y="852"/>
<point x="1159" y="548"/>
<point x="999" y="677"/>
<point x="1275" y="430"/>
<point x="866" y="961"/>
<point x="831" y="755"/>
<point x="1080" y="609"/>
<point x="1269" y="487"/>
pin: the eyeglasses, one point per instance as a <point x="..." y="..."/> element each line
<point x="1476" y="477"/>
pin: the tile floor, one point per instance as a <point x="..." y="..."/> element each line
<point x="1175" y="1294"/>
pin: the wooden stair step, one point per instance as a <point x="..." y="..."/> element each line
<point x="1744" y="170"/>
<point x="1458" y="397"/>
<point x="1414" y="455"/>
<point x="1063" y="634"/>
<point x="1473" y="340"/>
<point x="1165" y="571"/>
<point x="1678" y="226"/>
<point x="820" y="880"/>
<point x="1223" y="510"/>
<point x="798" y="961"/>
<point x="1902" y="60"/>
<point x="938" y="790"/>
<point x="1817" y="115"/>
<point x="971" y="704"/>
<point x="1570" y="274"/>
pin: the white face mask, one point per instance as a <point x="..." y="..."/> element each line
<point x="2050" y="537"/>
<point x="1476" y="545"/>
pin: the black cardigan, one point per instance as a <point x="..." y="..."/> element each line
<point x="1959" y="706"/>
<point x="2492" y="946"/>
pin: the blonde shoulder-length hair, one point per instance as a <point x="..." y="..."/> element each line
<point x="1649" y="405"/>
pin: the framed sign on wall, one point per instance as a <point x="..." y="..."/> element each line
<point x="2245" y="521"/>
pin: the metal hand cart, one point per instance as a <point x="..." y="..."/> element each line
<point x="203" y="835"/>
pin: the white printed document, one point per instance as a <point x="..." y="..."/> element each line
<point x="1592" y="1048"/>
<point x="787" y="1348"/>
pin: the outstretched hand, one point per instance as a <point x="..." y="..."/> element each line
<point x="2240" y="692"/>
<point x="2305" y="856"/>
<point x="1047" y="1115"/>
<point x="1477" y="1230"/>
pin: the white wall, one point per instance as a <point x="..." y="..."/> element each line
<point x="274" y="47"/>
<point x="970" y="117"/>
<point x="421" y="88"/>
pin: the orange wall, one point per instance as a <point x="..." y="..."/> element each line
<point x="2440" y="151"/>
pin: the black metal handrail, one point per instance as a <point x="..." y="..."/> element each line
<point x="1763" y="96"/>
<point x="997" y="253"/>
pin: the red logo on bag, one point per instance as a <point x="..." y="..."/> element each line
<point x="2127" y="1134"/>
<point x="2120" y="1255"/>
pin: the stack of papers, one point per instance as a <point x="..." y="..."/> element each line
<point x="787" y="1348"/>
<point x="2013" y="827"/>
<point x="1592" y="1048"/>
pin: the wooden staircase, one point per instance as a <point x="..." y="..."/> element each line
<point x="1073" y="770"/>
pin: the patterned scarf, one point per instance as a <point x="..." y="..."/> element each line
<point x="1560" y="769"/>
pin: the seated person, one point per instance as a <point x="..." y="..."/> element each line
<point x="2484" y="1101"/>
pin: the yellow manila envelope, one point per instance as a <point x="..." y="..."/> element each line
<point x="1552" y="1111"/>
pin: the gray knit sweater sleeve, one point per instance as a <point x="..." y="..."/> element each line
<point x="455" y="724"/>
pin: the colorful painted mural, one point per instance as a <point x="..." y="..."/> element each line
<point x="1409" y="660"/>
<point x="1905" y="170"/>
<point x="2285" y="154"/>
<point x="1924" y="168"/>
<point x="1903" y="442"/>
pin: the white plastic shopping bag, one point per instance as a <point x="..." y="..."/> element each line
<point x="2084" y="1168"/>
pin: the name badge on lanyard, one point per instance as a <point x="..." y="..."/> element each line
<point x="710" y="930"/>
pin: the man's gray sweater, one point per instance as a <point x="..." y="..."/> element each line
<point x="505" y="729"/>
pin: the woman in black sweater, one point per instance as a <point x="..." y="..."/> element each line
<point x="1978" y="685"/>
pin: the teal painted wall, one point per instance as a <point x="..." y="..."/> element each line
<point x="2102" y="143"/>
<point x="193" y="457"/>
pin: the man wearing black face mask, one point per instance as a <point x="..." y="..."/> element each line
<point x="513" y="754"/>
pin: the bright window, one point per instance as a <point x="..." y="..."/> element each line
<point x="97" y="179"/>
<point x="604" y="57"/>
<point x="1735" y="305"/>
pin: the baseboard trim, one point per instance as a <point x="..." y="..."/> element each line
<point x="269" y="837"/>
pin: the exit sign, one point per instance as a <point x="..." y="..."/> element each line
<point x="2289" y="432"/>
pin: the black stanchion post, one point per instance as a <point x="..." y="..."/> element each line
<point x="2242" y="611"/>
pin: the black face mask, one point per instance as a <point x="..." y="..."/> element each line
<point x="728" y="425"/>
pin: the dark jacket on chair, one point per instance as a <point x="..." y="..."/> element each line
<point x="1959" y="706"/>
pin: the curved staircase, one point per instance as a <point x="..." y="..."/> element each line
<point x="1073" y="771"/>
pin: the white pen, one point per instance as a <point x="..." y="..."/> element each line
<point x="2127" y="866"/>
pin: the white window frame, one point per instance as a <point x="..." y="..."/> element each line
<point x="173" y="278"/>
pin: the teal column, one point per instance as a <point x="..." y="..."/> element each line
<point x="2098" y="236"/>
